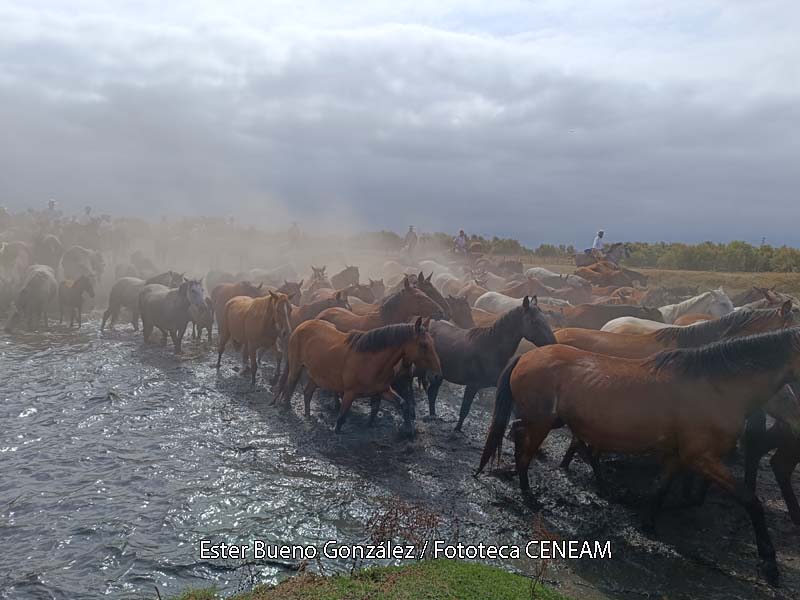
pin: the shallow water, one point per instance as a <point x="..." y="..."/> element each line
<point x="118" y="458"/>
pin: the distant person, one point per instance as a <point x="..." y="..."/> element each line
<point x="411" y="242"/>
<point x="461" y="243"/>
<point x="597" y="245"/>
<point x="294" y="235"/>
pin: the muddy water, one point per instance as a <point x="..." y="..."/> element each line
<point x="116" y="459"/>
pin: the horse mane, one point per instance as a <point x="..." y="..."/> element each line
<point x="730" y="357"/>
<point x="381" y="338"/>
<point x="478" y="334"/>
<point x="390" y="304"/>
<point x="706" y="332"/>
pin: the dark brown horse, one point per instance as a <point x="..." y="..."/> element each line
<point x="688" y="406"/>
<point x="70" y="297"/>
<point x="347" y="276"/>
<point x="397" y="308"/>
<point x="475" y="357"/>
<point x="355" y="364"/>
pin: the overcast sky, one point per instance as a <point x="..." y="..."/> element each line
<point x="673" y="120"/>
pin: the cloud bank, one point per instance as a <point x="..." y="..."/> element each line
<point x="653" y="120"/>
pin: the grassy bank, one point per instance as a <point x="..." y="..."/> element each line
<point x="426" y="580"/>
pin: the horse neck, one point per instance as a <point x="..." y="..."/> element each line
<point x="749" y="391"/>
<point x="505" y="334"/>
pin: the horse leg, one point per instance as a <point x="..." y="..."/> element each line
<point x="61" y="313"/>
<point x="783" y="463"/>
<point x="288" y="383"/>
<point x="756" y="444"/>
<point x="134" y="319"/>
<point x="717" y="472"/>
<point x="527" y="439"/>
<point x="574" y="446"/>
<point x="466" y="404"/>
<point x="347" y="401"/>
<point x="253" y="352"/>
<point x="659" y="492"/>
<point x="405" y="404"/>
<point x="106" y="315"/>
<point x="434" y="383"/>
<point x="223" y="341"/>
<point x="308" y="393"/>
<point x="278" y="360"/>
<point x="173" y="334"/>
<point x="374" y="408"/>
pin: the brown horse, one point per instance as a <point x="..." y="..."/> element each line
<point x="254" y="323"/>
<point x="225" y="291"/>
<point x="355" y="364"/>
<point x="347" y="276"/>
<point x="687" y="405"/>
<point x="361" y="291"/>
<point x="397" y="308"/>
<point x="594" y="316"/>
<point x="736" y="324"/>
<point x="293" y="289"/>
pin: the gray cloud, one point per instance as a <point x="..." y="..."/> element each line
<point x="445" y="123"/>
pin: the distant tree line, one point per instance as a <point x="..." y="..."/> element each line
<point x="708" y="256"/>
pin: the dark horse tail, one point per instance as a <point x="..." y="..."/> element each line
<point x="503" y="404"/>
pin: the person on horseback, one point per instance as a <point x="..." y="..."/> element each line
<point x="461" y="243"/>
<point x="597" y="245"/>
<point x="410" y="242"/>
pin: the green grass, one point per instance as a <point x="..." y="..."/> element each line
<point x="425" y="580"/>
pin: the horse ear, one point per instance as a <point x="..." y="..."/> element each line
<point x="526" y="302"/>
<point x="426" y="323"/>
<point x="260" y="285"/>
<point x="406" y="283"/>
<point x="421" y="276"/>
<point x="536" y="301"/>
<point x="301" y="283"/>
<point x="272" y="294"/>
<point x="430" y="277"/>
<point x="338" y="295"/>
<point x="418" y="324"/>
<point x="786" y="309"/>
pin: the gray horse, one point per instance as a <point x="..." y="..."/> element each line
<point x="168" y="309"/>
<point x="125" y="293"/>
<point x="476" y="357"/>
<point x="79" y="261"/>
<point x="38" y="292"/>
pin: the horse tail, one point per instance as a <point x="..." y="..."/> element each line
<point x="503" y="403"/>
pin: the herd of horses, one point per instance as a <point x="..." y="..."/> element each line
<point x="592" y="351"/>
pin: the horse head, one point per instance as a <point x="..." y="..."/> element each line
<point x="420" y="349"/>
<point x="535" y="327"/>
<point x="193" y="290"/>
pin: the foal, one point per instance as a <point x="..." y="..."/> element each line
<point x="70" y="297"/>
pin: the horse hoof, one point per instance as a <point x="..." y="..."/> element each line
<point x="768" y="569"/>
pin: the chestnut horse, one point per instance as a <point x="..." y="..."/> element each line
<point x="254" y="323"/>
<point x="355" y="364"/>
<point x="225" y="291"/>
<point x="735" y="324"/>
<point x="687" y="405"/>
<point x="397" y="308"/>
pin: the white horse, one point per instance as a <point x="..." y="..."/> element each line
<point x="447" y="283"/>
<point x="431" y="266"/>
<point x="715" y="303"/>
<point x="633" y="325"/>
<point x="557" y="280"/>
<point x="497" y="303"/>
